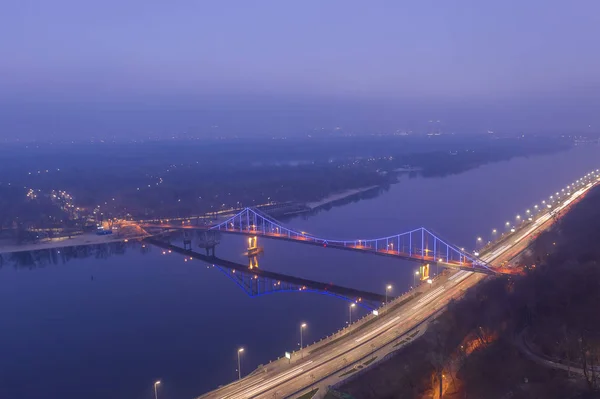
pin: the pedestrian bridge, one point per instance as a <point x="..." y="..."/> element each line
<point x="419" y="245"/>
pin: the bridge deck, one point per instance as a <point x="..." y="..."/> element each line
<point x="358" y="248"/>
<point x="333" y="288"/>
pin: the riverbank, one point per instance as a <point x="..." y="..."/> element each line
<point x="63" y="242"/>
<point x="93" y="239"/>
<point x="338" y="197"/>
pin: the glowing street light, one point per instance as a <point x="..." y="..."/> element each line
<point x="156" y="384"/>
<point x="302" y="326"/>
<point x="352" y="305"/>
<point x="387" y="288"/>
<point x="414" y="277"/>
<point x="239" y="363"/>
<point x="518" y="217"/>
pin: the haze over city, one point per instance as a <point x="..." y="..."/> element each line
<point x="74" y="70"/>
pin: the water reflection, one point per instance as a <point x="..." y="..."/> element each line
<point x="253" y="281"/>
<point x="254" y="286"/>
<point x="257" y="282"/>
<point x="62" y="255"/>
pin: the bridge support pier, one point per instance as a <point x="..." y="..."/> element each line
<point x="187" y="244"/>
<point x="424" y="272"/>
<point x="253" y="248"/>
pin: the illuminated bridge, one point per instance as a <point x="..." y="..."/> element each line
<point x="419" y="245"/>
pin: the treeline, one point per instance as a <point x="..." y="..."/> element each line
<point x="181" y="179"/>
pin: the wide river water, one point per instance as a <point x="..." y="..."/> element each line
<point x="108" y="327"/>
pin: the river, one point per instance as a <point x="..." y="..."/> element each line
<point x="108" y="327"/>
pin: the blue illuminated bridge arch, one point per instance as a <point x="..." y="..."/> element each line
<point x="419" y="245"/>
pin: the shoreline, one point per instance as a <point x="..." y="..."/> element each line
<point x="311" y="206"/>
<point x="75" y="241"/>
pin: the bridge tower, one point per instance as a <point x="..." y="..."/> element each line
<point x="424" y="272"/>
<point x="253" y="248"/>
<point x="252" y="243"/>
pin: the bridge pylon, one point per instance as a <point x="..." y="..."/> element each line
<point x="424" y="272"/>
<point x="253" y="248"/>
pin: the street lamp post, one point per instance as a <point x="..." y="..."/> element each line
<point x="239" y="363"/>
<point x="352" y="305"/>
<point x="156" y="384"/>
<point x="414" y="278"/>
<point x="302" y="326"/>
<point x="387" y="288"/>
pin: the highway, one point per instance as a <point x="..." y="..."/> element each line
<point x="321" y="363"/>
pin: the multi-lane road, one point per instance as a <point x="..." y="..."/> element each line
<point x="322" y="365"/>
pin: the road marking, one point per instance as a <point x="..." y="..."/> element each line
<point x="276" y="380"/>
<point x="430" y="296"/>
<point x="460" y="273"/>
<point x="463" y="277"/>
<point x="243" y="388"/>
<point x="499" y="250"/>
<point x="395" y="319"/>
<point x="432" y="293"/>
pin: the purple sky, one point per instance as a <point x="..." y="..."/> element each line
<point x="214" y="61"/>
